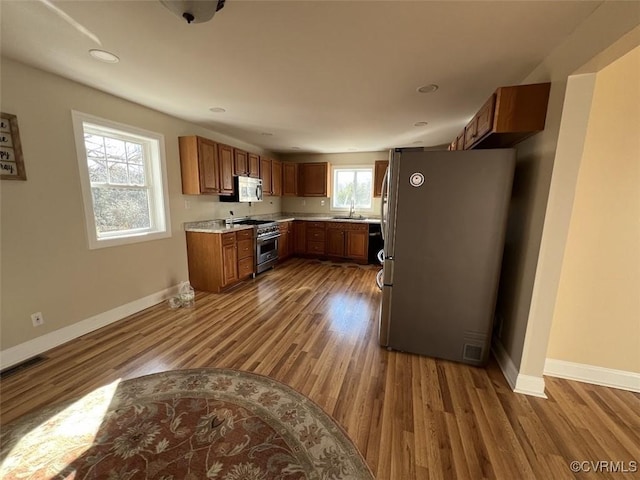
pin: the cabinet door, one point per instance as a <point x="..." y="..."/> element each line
<point x="283" y="245"/>
<point x="276" y="178"/>
<point x="379" y="169"/>
<point x="199" y="166"/>
<point x="484" y="123"/>
<point x="357" y="244"/>
<point x="265" y="174"/>
<point x="289" y="179"/>
<point x="299" y="237"/>
<point x="240" y="164"/>
<point x="460" y="141"/>
<point x="208" y="164"/>
<point x="254" y="165"/>
<point x="314" y="179"/>
<point x="229" y="263"/>
<point x="335" y="242"/>
<point x="225" y="156"/>
<point x="471" y="133"/>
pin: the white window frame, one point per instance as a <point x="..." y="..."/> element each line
<point x="155" y="172"/>
<point x="334" y="170"/>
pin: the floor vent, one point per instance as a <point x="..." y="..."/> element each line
<point x="472" y="353"/>
<point x="21" y="366"/>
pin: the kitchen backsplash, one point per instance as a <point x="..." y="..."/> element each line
<point x="322" y="205"/>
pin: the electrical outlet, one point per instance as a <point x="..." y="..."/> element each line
<point x="37" y="319"/>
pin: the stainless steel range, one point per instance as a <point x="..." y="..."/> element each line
<point x="267" y="233"/>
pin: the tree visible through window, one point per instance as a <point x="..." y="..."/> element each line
<point x="122" y="177"/>
<point x="352" y="185"/>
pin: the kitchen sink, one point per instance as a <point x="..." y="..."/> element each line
<point x="358" y="217"/>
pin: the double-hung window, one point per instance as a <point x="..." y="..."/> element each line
<point x="123" y="177"/>
<point x="352" y="186"/>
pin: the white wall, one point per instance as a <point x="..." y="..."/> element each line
<point x="596" y="320"/>
<point x="545" y="180"/>
<point x="46" y="263"/>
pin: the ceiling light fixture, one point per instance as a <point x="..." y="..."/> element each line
<point x="194" y="11"/>
<point x="217" y="110"/>
<point x="421" y="124"/>
<point x="432" y="87"/>
<point x="103" y="56"/>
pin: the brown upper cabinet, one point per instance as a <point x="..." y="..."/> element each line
<point x="509" y="116"/>
<point x="265" y="175"/>
<point x="276" y="178"/>
<point x="289" y="179"/>
<point x="314" y="179"/>
<point x="380" y="167"/>
<point x="254" y="165"/>
<point x="240" y="162"/>
<point x="225" y="156"/>
<point x="199" y="166"/>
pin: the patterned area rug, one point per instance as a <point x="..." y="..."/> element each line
<point x="182" y="425"/>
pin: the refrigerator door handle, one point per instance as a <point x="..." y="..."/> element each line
<point x="383" y="199"/>
<point x="381" y="257"/>
<point x="379" y="279"/>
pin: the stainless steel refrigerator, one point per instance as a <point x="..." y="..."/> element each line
<point x="444" y="218"/>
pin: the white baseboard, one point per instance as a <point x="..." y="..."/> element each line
<point x="39" y="345"/>
<point x="606" y="377"/>
<point x="525" y="384"/>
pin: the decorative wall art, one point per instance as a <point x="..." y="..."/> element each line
<point x="11" y="160"/>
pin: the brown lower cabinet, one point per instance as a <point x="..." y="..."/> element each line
<point x="285" y="242"/>
<point x="340" y="240"/>
<point x="299" y="237"/>
<point x="219" y="260"/>
<point x="347" y="240"/>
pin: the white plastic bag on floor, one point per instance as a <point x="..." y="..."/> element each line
<point x="187" y="295"/>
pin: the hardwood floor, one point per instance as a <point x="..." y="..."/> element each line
<point x="313" y="326"/>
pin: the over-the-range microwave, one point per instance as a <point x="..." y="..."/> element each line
<point x="246" y="189"/>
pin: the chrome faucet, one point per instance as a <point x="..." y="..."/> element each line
<point x="352" y="207"/>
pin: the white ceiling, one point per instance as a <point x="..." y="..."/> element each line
<point x="321" y="76"/>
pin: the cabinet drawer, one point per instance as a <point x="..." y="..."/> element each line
<point x="315" y="247"/>
<point x="284" y="227"/>
<point x="244" y="234"/>
<point x="245" y="267"/>
<point x="245" y="248"/>
<point x="336" y="225"/>
<point x="358" y="227"/>
<point x="228" y="238"/>
<point x="315" y="234"/>
<point x="316" y="225"/>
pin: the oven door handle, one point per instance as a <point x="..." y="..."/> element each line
<point x="266" y="239"/>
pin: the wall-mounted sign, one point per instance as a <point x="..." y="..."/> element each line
<point x="11" y="160"/>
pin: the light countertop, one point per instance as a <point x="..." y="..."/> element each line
<point x="218" y="226"/>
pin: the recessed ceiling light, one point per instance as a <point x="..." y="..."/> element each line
<point x="103" y="56"/>
<point x="432" y="87"/>
<point x="217" y="110"/>
<point x="352" y="149"/>
<point x="418" y="142"/>
<point x="421" y="124"/>
<point x="267" y="134"/>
